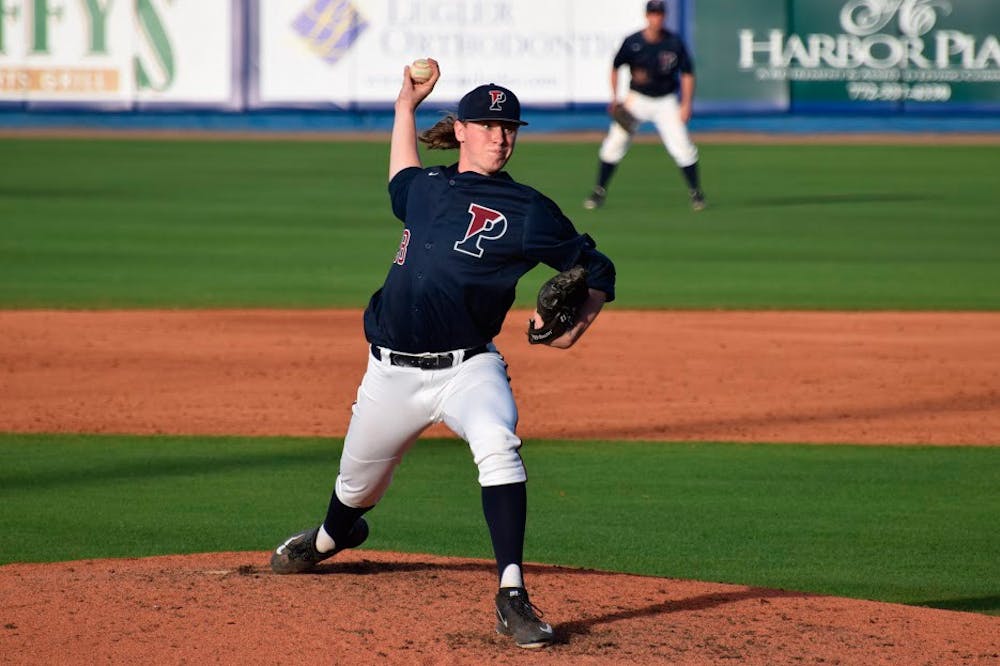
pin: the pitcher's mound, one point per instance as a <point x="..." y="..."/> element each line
<point x="376" y="607"/>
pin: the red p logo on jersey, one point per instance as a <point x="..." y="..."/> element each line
<point x="497" y="98"/>
<point x="486" y="225"/>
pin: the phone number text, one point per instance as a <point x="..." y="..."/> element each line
<point x="895" y="92"/>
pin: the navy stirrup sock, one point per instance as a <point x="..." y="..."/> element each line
<point x="340" y="518"/>
<point x="506" y="509"/>
<point x="604" y="174"/>
<point x="691" y="176"/>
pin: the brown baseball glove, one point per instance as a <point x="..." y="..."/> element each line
<point x="559" y="301"/>
<point x="624" y="117"/>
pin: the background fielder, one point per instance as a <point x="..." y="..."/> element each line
<point x="470" y="232"/>
<point x="656" y="58"/>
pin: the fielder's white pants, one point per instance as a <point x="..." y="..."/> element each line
<point x="664" y="112"/>
<point x="396" y="404"/>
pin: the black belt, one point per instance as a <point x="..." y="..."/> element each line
<point x="427" y="361"/>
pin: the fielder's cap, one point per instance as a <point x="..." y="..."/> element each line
<point x="656" y="7"/>
<point x="490" y="102"/>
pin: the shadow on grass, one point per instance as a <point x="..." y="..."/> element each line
<point x="707" y="429"/>
<point x="180" y="466"/>
<point x="835" y="199"/>
<point x="48" y="193"/>
<point x="989" y="605"/>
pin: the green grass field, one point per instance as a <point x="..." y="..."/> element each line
<point x="94" y="224"/>
<point x="913" y="525"/>
<point x="125" y="224"/>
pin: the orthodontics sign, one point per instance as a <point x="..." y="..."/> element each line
<point x="880" y="50"/>
<point x="352" y="52"/>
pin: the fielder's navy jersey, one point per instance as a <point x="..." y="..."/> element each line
<point x="467" y="239"/>
<point x="654" y="67"/>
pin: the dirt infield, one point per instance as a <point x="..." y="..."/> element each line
<point x="877" y="378"/>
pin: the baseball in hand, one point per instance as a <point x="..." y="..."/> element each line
<point x="420" y="70"/>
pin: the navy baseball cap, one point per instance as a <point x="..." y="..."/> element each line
<point x="656" y="7"/>
<point x="490" y="102"/>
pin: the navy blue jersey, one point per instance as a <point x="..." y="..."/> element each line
<point x="467" y="240"/>
<point x="654" y="67"/>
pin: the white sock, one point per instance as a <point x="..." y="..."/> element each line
<point x="324" y="542"/>
<point x="511" y="576"/>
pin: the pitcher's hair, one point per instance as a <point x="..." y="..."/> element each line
<point x="442" y="135"/>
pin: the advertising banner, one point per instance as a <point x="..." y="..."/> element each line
<point x="806" y="55"/>
<point x="189" y="52"/>
<point x="77" y="51"/>
<point x="721" y="84"/>
<point x="893" y="56"/>
<point x="346" y="52"/>
<point x="115" y="54"/>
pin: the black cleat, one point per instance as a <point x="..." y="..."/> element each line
<point x="697" y="200"/>
<point x="298" y="554"/>
<point x="516" y="617"/>
<point x="596" y="198"/>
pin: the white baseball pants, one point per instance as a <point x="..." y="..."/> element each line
<point x="396" y="404"/>
<point x="664" y="113"/>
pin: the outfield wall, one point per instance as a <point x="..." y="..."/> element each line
<point x="896" y="58"/>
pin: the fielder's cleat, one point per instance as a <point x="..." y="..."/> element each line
<point x="516" y="617"/>
<point x="697" y="200"/>
<point x="596" y="198"/>
<point x="298" y="554"/>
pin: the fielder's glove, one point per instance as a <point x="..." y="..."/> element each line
<point x="624" y="117"/>
<point x="559" y="301"/>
